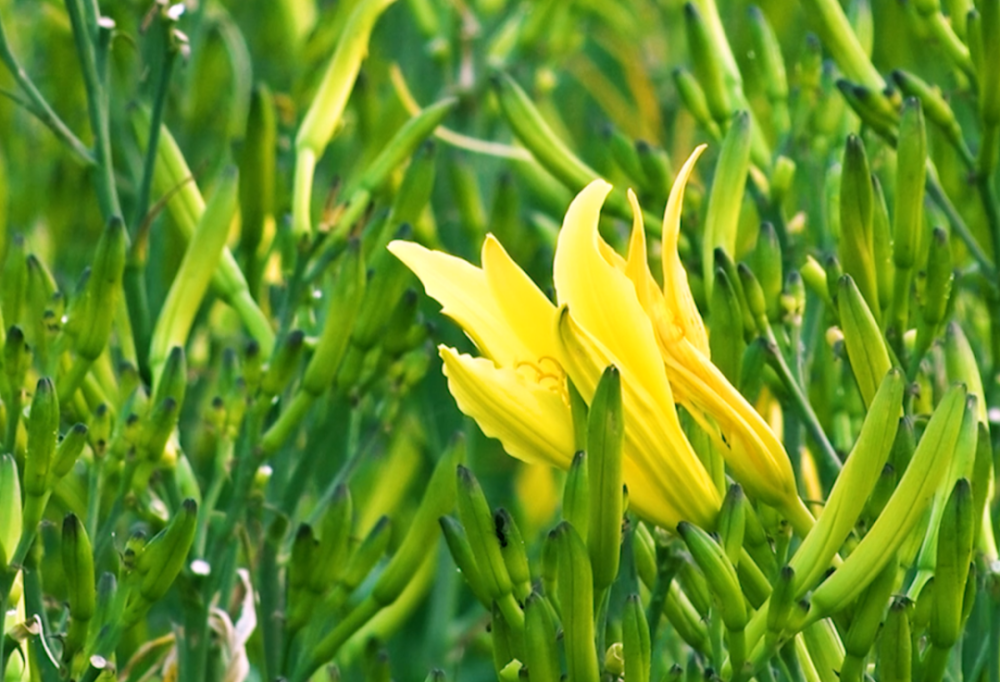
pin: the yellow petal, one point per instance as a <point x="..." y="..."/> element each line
<point x="667" y="479"/>
<point x="755" y="455"/>
<point x="532" y="423"/>
<point x="675" y="282"/>
<point x="465" y="295"/>
<point x="602" y="298"/>
<point x="637" y="269"/>
<point x="526" y="310"/>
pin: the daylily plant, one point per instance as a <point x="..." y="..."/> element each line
<point x="610" y="311"/>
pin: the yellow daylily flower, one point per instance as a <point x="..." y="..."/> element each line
<point x="518" y="392"/>
<point x="611" y="311"/>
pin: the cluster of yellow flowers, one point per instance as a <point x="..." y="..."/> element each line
<point x="610" y="311"/>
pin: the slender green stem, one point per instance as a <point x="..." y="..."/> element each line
<point x="828" y="454"/>
<point x="39" y="106"/>
<point x="97" y="106"/>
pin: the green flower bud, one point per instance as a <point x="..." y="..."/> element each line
<point x="367" y="555"/>
<point x="940" y="275"/>
<point x="895" y="644"/>
<point x="732" y="522"/>
<point x="162" y="559"/>
<point x="513" y="552"/>
<point x="383" y="294"/>
<point x="635" y="638"/>
<point x="173" y="378"/>
<point x="882" y="246"/>
<point x="257" y="177"/>
<point x="766" y="264"/>
<point x="771" y="67"/>
<point x="756" y="301"/>
<point x="866" y="346"/>
<point x="541" y="652"/>
<point x="342" y="310"/>
<point x="605" y="440"/>
<point x="695" y="101"/>
<point x="782" y="600"/>
<point x="201" y="259"/>
<point x="685" y="619"/>
<point x="576" y="494"/>
<point x="867" y="618"/>
<point x="69" y="449"/>
<point x="81" y="592"/>
<point x="726" y="199"/>
<point x="656" y="168"/>
<point x="708" y="66"/>
<point x="934" y="105"/>
<point x="576" y="600"/>
<point x="719" y="572"/>
<point x="461" y="552"/>
<point x="330" y="557"/>
<point x="726" y="341"/>
<point x="43" y="432"/>
<point x="10" y="509"/>
<point x="475" y="514"/>
<point x="283" y="363"/>
<point x="625" y="154"/>
<point x="954" y="552"/>
<point x="414" y="191"/>
<point x="857" y="204"/>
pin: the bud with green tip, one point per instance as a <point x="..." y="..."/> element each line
<point x="732" y="522"/>
<point x="857" y="205"/>
<point x="756" y="302"/>
<point x="708" y="66"/>
<point x="726" y="341"/>
<point x="304" y="548"/>
<point x="102" y="291"/>
<point x="173" y="379"/>
<point x="695" y="101"/>
<point x="461" y="552"/>
<point x="162" y="559"/>
<point x="367" y="555"/>
<point x="767" y="266"/>
<point x="43" y="432"/>
<point x="936" y="108"/>
<point x="954" y="551"/>
<point x="10" y="509"/>
<point x="782" y="600"/>
<point x="513" y="552"/>
<point x="414" y="191"/>
<point x="655" y="167"/>
<point x="605" y="441"/>
<point x="283" y="364"/>
<point x="726" y="199"/>
<point x="940" y="275"/>
<point x="257" y="177"/>
<point x="342" y="311"/>
<point x="867" y="619"/>
<point x="78" y="566"/>
<point x="541" y="652"/>
<point x="635" y="638"/>
<point x="576" y="601"/>
<point x="576" y="494"/>
<point x="771" y="66"/>
<point x="475" y="515"/>
<point x="69" y="449"/>
<point x="895" y="644"/>
<point x="866" y="347"/>
<point x="201" y="259"/>
<point x="335" y="533"/>
<point x="882" y="246"/>
<point x="626" y="157"/>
